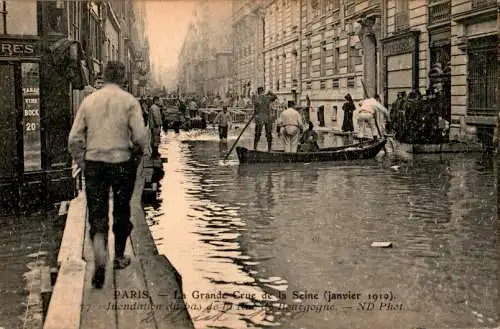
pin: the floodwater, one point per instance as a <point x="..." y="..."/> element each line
<point x="28" y="244"/>
<point x="289" y="246"/>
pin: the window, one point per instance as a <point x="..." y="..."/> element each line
<point x="482" y="78"/>
<point x="323" y="61"/>
<point x="351" y="59"/>
<point x="335" y="83"/>
<point x="276" y="72"/>
<point x="271" y="75"/>
<point x="336" y="60"/>
<point x="315" y="8"/>
<point x="332" y="5"/>
<point x="294" y="69"/>
<point x="308" y="59"/>
<point x="351" y="82"/>
<point x="283" y="70"/>
<point x="20" y="17"/>
<point x="309" y="65"/>
<point x="322" y="84"/>
<point x="3" y="16"/>
<point x="402" y="19"/>
<point x="31" y="120"/>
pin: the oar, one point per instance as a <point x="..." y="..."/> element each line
<point x="237" y="139"/>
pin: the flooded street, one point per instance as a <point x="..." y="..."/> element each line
<point x="28" y="243"/>
<point x="288" y="246"/>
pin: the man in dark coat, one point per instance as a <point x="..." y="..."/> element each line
<point x="263" y="117"/>
<point x="348" y="107"/>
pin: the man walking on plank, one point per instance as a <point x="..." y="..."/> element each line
<point x="107" y="127"/>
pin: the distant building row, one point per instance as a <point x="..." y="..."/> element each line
<point x="323" y="49"/>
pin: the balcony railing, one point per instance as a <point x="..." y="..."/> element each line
<point x="479" y="4"/>
<point x="439" y="12"/>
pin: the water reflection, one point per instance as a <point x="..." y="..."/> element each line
<point x="270" y="231"/>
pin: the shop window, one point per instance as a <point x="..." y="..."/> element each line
<point x="30" y="82"/>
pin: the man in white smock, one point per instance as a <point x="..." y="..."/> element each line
<point x="290" y="127"/>
<point x="367" y="112"/>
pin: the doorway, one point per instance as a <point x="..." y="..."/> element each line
<point x="10" y="155"/>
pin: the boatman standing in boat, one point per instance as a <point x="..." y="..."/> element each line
<point x="263" y="117"/>
<point x="368" y="111"/>
<point x="290" y="127"/>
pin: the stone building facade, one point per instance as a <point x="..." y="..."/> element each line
<point x="314" y="51"/>
<point x="50" y="51"/>
<point x="450" y="46"/>
<point x="205" y="60"/>
<point x="248" y="45"/>
<point x="282" y="48"/>
<point x="339" y="54"/>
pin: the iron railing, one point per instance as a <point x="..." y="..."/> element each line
<point x="479" y="4"/>
<point x="481" y="82"/>
<point x="439" y="12"/>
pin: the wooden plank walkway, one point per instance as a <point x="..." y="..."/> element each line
<point x="139" y="296"/>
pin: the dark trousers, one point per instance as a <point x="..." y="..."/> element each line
<point x="268" y="125"/>
<point x="177" y="126"/>
<point x="223" y="132"/>
<point x="99" y="177"/>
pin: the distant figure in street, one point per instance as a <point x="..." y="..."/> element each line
<point x="290" y="127"/>
<point x="263" y="117"/>
<point x="348" y="107"/>
<point x="309" y="140"/>
<point x="107" y="128"/>
<point x="367" y="112"/>
<point x="155" y="124"/>
<point x="223" y="121"/>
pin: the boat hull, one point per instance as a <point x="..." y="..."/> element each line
<point x="343" y="153"/>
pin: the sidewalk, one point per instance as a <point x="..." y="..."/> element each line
<point x="139" y="296"/>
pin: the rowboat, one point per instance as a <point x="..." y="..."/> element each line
<point x="358" y="151"/>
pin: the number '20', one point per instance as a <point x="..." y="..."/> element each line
<point x="30" y="126"/>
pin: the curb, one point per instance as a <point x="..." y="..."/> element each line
<point x="64" y="309"/>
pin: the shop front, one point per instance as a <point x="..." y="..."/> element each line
<point x="35" y="117"/>
<point x="401" y="61"/>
